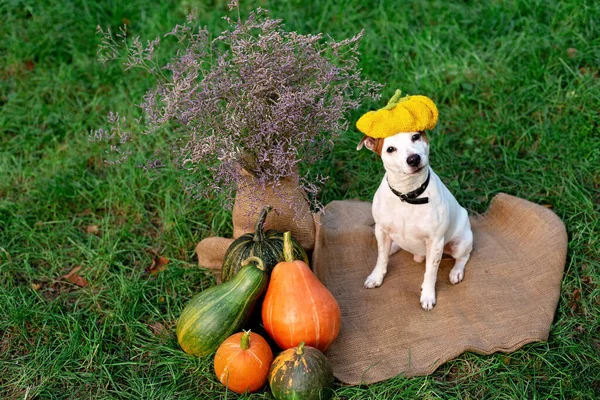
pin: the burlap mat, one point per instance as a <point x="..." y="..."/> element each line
<point x="507" y="298"/>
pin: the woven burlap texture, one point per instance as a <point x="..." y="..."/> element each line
<point x="507" y="299"/>
<point x="211" y="252"/>
<point x="291" y="210"/>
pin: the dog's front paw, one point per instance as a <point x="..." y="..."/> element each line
<point x="456" y="275"/>
<point x="374" y="280"/>
<point x="427" y="299"/>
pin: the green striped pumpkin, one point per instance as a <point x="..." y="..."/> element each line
<point x="216" y="313"/>
<point x="268" y="246"/>
<point x="301" y="372"/>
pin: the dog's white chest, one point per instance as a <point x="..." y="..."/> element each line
<point x="410" y="226"/>
<point x="410" y="230"/>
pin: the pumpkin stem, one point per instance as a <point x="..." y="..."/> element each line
<point x="245" y="340"/>
<point x="300" y="349"/>
<point x="260" y="264"/>
<point x="259" y="227"/>
<point x="288" y="249"/>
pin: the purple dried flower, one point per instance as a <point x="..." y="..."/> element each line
<point x="255" y="98"/>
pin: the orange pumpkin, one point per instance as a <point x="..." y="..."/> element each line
<point x="242" y="362"/>
<point x="298" y="307"/>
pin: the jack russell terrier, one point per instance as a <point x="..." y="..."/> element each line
<point x="413" y="210"/>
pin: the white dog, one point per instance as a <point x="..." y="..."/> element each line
<point x="414" y="211"/>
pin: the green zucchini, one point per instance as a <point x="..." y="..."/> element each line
<point x="216" y="313"/>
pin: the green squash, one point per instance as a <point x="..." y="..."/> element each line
<point x="216" y="313"/>
<point x="268" y="246"/>
<point x="301" y="372"/>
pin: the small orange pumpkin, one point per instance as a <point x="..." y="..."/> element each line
<point x="298" y="307"/>
<point x="242" y="362"/>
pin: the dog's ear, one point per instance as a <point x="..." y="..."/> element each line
<point x="370" y="143"/>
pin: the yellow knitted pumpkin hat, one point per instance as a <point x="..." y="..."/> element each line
<point x="406" y="114"/>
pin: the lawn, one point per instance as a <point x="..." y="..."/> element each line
<point x="517" y="84"/>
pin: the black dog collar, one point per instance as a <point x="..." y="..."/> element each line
<point x="411" y="197"/>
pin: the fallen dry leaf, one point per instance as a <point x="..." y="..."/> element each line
<point x="159" y="263"/>
<point x="587" y="280"/>
<point x="157" y="328"/>
<point x="574" y="307"/>
<point x="76" y="279"/>
<point x="36" y="286"/>
<point x="572" y="52"/>
<point x="575" y="297"/>
<point x="92" y="229"/>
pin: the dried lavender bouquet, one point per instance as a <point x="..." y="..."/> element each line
<point x="255" y="99"/>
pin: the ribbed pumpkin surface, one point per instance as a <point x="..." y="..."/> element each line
<point x="301" y="373"/>
<point x="242" y="362"/>
<point x="214" y="314"/>
<point x="266" y="245"/>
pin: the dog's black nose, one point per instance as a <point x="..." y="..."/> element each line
<point x="413" y="160"/>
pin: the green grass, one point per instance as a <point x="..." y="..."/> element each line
<point x="519" y="114"/>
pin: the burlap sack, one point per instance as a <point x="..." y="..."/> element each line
<point x="507" y="298"/>
<point x="294" y="215"/>
<point x="211" y="252"/>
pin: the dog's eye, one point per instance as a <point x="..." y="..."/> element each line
<point x="416" y="137"/>
<point x="391" y="149"/>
